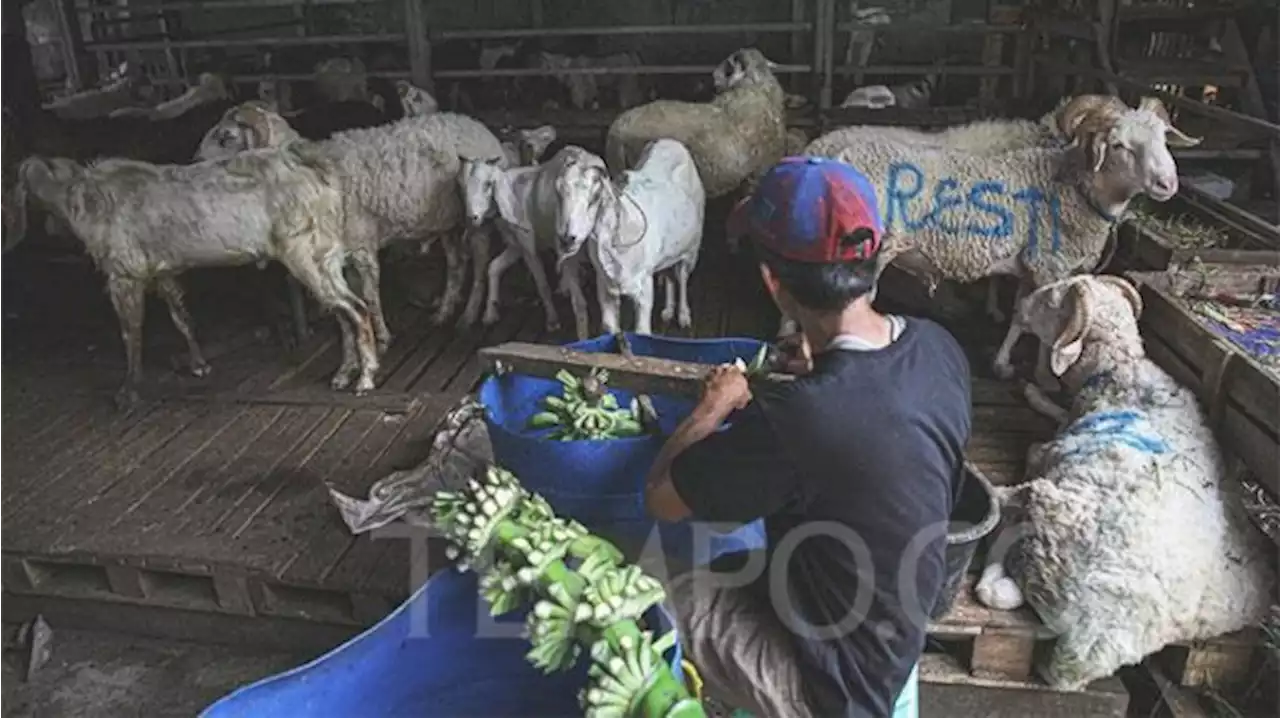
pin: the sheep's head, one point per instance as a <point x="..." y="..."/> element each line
<point x="415" y="101"/>
<point x="872" y="96"/>
<point x="340" y="79"/>
<point x="1066" y="314"/>
<point x="534" y="143"/>
<point x="277" y="94"/>
<point x="745" y="67"/>
<point x="478" y="179"/>
<point x="213" y="86"/>
<point x="250" y="126"/>
<point x="1130" y="150"/>
<point x="582" y="186"/>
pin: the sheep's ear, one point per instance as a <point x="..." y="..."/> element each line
<point x="1067" y="348"/>
<point x="1127" y="289"/>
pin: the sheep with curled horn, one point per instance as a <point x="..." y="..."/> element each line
<point x="1132" y="534"/>
<point x="145" y="224"/>
<point x="1083" y="186"/>
<point x="398" y="183"/>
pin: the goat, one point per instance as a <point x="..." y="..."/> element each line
<point x="144" y="224"/>
<point x="649" y="221"/>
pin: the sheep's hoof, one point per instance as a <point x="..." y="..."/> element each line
<point x="686" y="320"/>
<point x="490" y="316"/>
<point x="384" y="343"/>
<point x="1003" y="371"/>
<point x="668" y="315"/>
<point x="342" y="379"/>
<point x="364" y="386"/>
<point x="997" y="315"/>
<point x="553" y="325"/>
<point x="441" y="316"/>
<point x="201" y="370"/>
<point x="127" y="399"/>
<point x="469" y="318"/>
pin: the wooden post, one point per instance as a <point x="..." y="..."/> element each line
<point x="993" y="52"/>
<point x="415" y="20"/>
<point x="796" y="83"/>
<point x="80" y="73"/>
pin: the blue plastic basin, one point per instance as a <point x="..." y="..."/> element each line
<point x="601" y="483"/>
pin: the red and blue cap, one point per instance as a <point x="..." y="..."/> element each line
<point x="806" y="208"/>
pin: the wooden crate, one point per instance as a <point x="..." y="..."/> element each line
<point x="1241" y="396"/>
<point x="1144" y="244"/>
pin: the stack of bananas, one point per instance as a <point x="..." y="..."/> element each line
<point x="587" y="410"/>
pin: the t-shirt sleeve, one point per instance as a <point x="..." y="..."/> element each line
<point x="738" y="474"/>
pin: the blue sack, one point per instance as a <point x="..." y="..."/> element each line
<point x="601" y="483"/>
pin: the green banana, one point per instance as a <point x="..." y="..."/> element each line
<point x="586" y="411"/>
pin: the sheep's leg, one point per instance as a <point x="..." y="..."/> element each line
<point x="683" y="271"/>
<point x="669" y="304"/>
<point x="571" y="284"/>
<point x="497" y="268"/>
<point x="534" y="263"/>
<point x="1041" y="403"/>
<point x="128" y="296"/>
<point x="644" y="307"/>
<point x="993" y="300"/>
<point x="609" y="305"/>
<point x="171" y="292"/>
<point x="1043" y="375"/>
<point x="454" y="276"/>
<point x="1001" y="365"/>
<point x="478" y="240"/>
<point x="367" y="267"/>
<point x="298" y="308"/>
<point x="359" y="344"/>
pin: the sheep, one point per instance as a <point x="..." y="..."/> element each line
<point x="983" y="136"/>
<point x="209" y="88"/>
<point x="397" y="182"/>
<point x="523" y="148"/>
<point x="341" y="79"/>
<point x="738" y="135"/>
<point x="1074" y="195"/>
<point x="120" y="90"/>
<point x="415" y="101"/>
<point x="909" y="96"/>
<point x="584" y="89"/>
<point x="1135" y="536"/>
<point x="647" y="222"/>
<point x="144" y="224"/>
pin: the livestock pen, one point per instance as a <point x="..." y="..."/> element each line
<point x="205" y="512"/>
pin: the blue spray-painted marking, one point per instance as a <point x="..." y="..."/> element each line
<point x="1103" y="429"/>
<point x="905" y="182"/>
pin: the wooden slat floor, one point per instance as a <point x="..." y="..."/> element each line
<point x="219" y="476"/>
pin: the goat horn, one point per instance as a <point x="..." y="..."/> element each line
<point x="1126" y="288"/>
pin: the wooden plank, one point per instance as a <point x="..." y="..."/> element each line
<point x="32" y="522"/>
<point x="381" y="399"/>
<point x="946" y="689"/>
<point x="967" y="617"/>
<point x="1179" y="702"/>
<point x="1002" y="654"/>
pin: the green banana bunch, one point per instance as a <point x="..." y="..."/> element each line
<point x="586" y="410"/>
<point x="758" y="366"/>
<point x="525" y="551"/>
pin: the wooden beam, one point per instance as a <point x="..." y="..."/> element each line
<point x="644" y="375"/>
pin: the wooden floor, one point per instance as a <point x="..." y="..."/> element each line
<point x="226" y="478"/>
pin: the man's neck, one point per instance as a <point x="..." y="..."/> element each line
<point x="858" y="319"/>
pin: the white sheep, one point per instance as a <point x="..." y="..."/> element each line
<point x="398" y="183"/>
<point x="584" y="88"/>
<point x="647" y="222"/>
<point x="415" y="101"/>
<point x="145" y="224"/>
<point x="120" y="89"/>
<point x="740" y="134"/>
<point x="209" y="88"/>
<point x="907" y="96"/>
<point x="524" y="148"/>
<point x="1040" y="213"/>
<point x="1135" y="535"/>
<point x="342" y="79"/>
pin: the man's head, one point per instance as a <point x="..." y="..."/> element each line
<point x="813" y="225"/>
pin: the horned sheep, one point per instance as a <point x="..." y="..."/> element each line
<point x="1134" y="534"/>
<point x="974" y="228"/>
<point x="398" y="182"/>
<point x="738" y="135"/>
<point x="144" y="224"/>
<point x="647" y="222"/>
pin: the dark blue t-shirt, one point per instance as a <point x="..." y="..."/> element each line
<point x="854" y="468"/>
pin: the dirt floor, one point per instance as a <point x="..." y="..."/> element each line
<point x="107" y="674"/>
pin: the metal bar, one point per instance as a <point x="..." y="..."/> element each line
<point x="1199" y="108"/>
<point x="980" y="70"/>
<point x="1265" y="231"/>
<point x="647" y="375"/>
<point x="631" y="70"/>
<point x="248" y="42"/>
<point x="223" y="5"/>
<point x="976" y="28"/>
<point x="511" y="33"/>
<point x="302" y="76"/>
<point x="1237" y="153"/>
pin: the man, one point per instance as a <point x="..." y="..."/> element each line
<point x="853" y="465"/>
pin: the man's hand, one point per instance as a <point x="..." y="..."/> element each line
<point x="724" y="390"/>
<point x="797" y="355"/>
